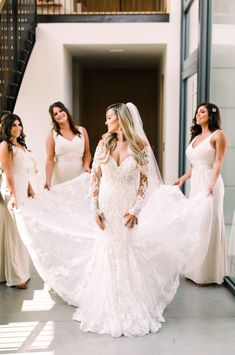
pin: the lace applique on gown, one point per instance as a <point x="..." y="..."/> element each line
<point x="120" y="279"/>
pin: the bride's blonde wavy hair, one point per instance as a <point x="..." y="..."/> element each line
<point x="135" y="143"/>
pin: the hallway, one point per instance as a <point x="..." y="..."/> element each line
<point x="199" y="321"/>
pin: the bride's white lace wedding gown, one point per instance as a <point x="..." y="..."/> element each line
<point x="120" y="279"/>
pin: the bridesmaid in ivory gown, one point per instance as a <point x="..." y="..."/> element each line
<point x="67" y="145"/>
<point x="206" y="153"/>
<point x="16" y="162"/>
<point x="120" y="264"/>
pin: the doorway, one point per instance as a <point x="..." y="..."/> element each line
<point x="101" y="87"/>
<point x="130" y="74"/>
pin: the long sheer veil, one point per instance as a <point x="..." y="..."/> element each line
<point x="154" y="178"/>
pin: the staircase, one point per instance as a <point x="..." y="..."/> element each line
<point x="17" y="38"/>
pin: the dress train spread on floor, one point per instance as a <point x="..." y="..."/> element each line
<point x="120" y="279"/>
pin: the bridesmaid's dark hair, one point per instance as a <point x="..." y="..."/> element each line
<point x="6" y="123"/>
<point x="214" y="122"/>
<point x="56" y="126"/>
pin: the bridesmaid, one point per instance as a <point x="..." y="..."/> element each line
<point x="16" y="162"/>
<point x="67" y="145"/>
<point x="206" y="153"/>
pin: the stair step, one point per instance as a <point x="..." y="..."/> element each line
<point x="22" y="64"/>
<point x="29" y="44"/>
<point x="14" y="88"/>
<point x="11" y="102"/>
<point x="31" y="35"/>
<point x="18" y="75"/>
<point x="25" y="54"/>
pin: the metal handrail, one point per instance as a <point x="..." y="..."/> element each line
<point x="17" y="26"/>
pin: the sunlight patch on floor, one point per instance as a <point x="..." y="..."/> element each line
<point x="43" y="339"/>
<point x="41" y="301"/>
<point x="27" y="337"/>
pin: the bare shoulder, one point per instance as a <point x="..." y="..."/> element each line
<point x="219" y="136"/>
<point x="4" y="151"/>
<point x="50" y="134"/>
<point x="50" y="137"/>
<point x="219" y="141"/>
<point x="83" y="129"/>
<point x="3" y="146"/>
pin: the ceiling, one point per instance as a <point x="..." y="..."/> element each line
<point x="119" y="56"/>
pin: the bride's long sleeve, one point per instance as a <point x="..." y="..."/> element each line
<point x="95" y="182"/>
<point x="143" y="184"/>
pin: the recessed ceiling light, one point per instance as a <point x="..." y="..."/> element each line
<point x="116" y="50"/>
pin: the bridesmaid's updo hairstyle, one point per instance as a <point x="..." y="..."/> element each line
<point x="214" y="121"/>
<point x="6" y="123"/>
<point x="56" y="126"/>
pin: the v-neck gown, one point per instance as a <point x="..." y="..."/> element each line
<point x="120" y="279"/>
<point x="202" y="158"/>
<point x="14" y="257"/>
<point x="68" y="157"/>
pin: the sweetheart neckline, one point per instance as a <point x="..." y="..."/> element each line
<point x="119" y="165"/>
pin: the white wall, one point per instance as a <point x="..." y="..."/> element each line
<point x="223" y="94"/>
<point x="67" y="78"/>
<point x="48" y="76"/>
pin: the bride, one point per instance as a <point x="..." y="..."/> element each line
<point x="120" y="264"/>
